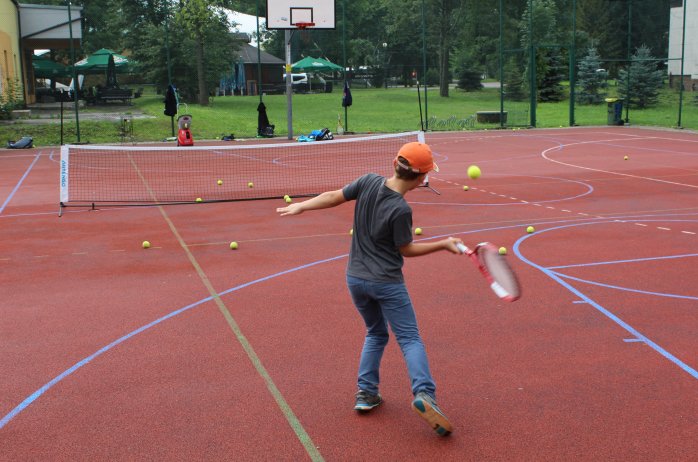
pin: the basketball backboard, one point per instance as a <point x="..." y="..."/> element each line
<point x="285" y="14"/>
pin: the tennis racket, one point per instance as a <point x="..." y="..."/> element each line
<point x="495" y="269"/>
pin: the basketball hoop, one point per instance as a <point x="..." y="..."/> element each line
<point x="303" y="28"/>
<point x="304" y="25"/>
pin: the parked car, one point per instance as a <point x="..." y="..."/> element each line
<point x="305" y="83"/>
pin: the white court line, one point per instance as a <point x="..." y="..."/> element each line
<point x="544" y="154"/>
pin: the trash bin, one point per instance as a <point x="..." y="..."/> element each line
<point x="615" y="111"/>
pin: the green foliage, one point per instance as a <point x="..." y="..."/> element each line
<point x="467" y="72"/>
<point x="550" y="87"/>
<point x="592" y="80"/>
<point x="11" y="98"/>
<point x="639" y="85"/>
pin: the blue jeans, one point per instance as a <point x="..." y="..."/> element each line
<point x="380" y="304"/>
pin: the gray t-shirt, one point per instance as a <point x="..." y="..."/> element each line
<point x="382" y="224"/>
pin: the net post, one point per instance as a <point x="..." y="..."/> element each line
<point x="425" y="184"/>
<point x="65" y="174"/>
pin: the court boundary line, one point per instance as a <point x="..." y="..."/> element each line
<point x="606" y="312"/>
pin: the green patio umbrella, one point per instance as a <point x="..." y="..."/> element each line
<point x="45" y="68"/>
<point x="310" y="64"/>
<point x="98" y="62"/>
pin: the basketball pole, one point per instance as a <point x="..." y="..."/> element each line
<point x="289" y="86"/>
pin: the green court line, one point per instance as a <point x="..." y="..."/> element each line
<point x="291" y="418"/>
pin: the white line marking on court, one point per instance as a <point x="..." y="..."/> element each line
<point x="568" y="211"/>
<point x="579" y="302"/>
<point x="538" y="205"/>
<point x="688" y="232"/>
<point x="663" y="229"/>
<point x="560" y="147"/>
<point x="525" y="202"/>
<point x="582" y="213"/>
<point x="639" y="224"/>
<point x="551" y="208"/>
<point x="513" y="198"/>
<point x="633" y="340"/>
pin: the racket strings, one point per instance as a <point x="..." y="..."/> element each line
<point x="505" y="282"/>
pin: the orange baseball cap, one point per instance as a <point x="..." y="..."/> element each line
<point x="419" y="156"/>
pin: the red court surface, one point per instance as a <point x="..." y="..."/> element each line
<point x="191" y="351"/>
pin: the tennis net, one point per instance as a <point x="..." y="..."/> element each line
<point x="135" y="175"/>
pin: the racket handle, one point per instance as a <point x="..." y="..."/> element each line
<point x="462" y="248"/>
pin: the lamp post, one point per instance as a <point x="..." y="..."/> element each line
<point x="385" y="64"/>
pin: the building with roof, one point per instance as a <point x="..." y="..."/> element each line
<point x="33" y="27"/>
<point x="243" y="78"/>
<point x="690" y="44"/>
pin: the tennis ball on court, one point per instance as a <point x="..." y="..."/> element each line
<point x="465" y="188"/>
<point x="286" y="196"/>
<point x="233" y="245"/>
<point x="625" y="158"/>
<point x="351" y="232"/>
<point x="288" y="200"/>
<point x="220" y="182"/>
<point x="530" y="229"/>
<point x="198" y="199"/>
<point x="146" y="244"/>
<point x="474" y="172"/>
<point x="502" y="251"/>
<point x="250" y="185"/>
<point x="418" y="231"/>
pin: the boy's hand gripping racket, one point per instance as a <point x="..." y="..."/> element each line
<point x="495" y="269"/>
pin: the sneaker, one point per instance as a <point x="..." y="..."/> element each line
<point x="366" y="401"/>
<point x="426" y="407"/>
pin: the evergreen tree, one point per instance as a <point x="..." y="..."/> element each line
<point x="550" y="87"/>
<point x="641" y="89"/>
<point x="468" y="73"/>
<point x="591" y="79"/>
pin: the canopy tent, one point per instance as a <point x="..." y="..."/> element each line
<point x="98" y="62"/>
<point x="310" y="64"/>
<point x="45" y="68"/>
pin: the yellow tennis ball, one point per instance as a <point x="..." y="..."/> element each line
<point x="198" y="199"/>
<point x="502" y="251"/>
<point x="418" y="231"/>
<point x="465" y="188"/>
<point x="625" y="158"/>
<point x="233" y="245"/>
<point x="530" y="229"/>
<point x="288" y="200"/>
<point x="250" y="185"/>
<point x="351" y="232"/>
<point x="286" y="196"/>
<point x="474" y="172"/>
<point x="220" y="182"/>
<point x="146" y="244"/>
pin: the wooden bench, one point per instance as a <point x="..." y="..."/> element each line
<point x="115" y="94"/>
<point x="491" y="117"/>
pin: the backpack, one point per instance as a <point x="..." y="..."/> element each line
<point x="26" y="142"/>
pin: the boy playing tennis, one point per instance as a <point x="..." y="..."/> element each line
<point x="382" y="237"/>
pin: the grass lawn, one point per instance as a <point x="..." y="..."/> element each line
<point x="374" y="111"/>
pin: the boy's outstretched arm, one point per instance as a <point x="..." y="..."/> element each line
<point x="417" y="249"/>
<point x="323" y="201"/>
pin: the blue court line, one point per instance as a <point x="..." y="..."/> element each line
<point x="667" y="257"/>
<point x="635" y="333"/>
<point x="38" y="393"/>
<point x="19" y="183"/>
<point x="34" y="396"/>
